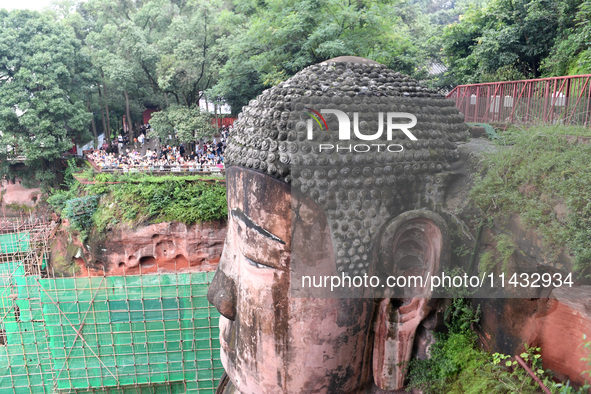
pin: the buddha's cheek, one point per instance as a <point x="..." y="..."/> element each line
<point x="261" y="329"/>
<point x="328" y="344"/>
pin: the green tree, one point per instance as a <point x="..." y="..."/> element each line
<point x="189" y="62"/>
<point x="271" y="41"/>
<point x="189" y="124"/>
<point x="124" y="62"/>
<point x="155" y="53"/>
<point x="42" y="110"/>
<point x="571" y="54"/>
<point x="505" y="39"/>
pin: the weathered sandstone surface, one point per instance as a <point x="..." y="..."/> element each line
<point x="161" y="247"/>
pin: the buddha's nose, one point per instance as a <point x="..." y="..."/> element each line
<point x="222" y="294"/>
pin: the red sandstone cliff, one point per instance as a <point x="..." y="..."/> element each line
<point x="16" y="194"/>
<point x="161" y="247"/>
<point x="556" y="324"/>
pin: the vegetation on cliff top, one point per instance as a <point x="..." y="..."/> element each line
<point x="135" y="199"/>
<point x="458" y="365"/>
<point x="543" y="175"/>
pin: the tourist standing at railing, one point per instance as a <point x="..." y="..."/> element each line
<point x="204" y="156"/>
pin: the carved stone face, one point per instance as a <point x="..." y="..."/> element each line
<point x="295" y="209"/>
<point x="272" y="342"/>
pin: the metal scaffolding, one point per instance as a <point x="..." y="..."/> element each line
<point x="151" y="333"/>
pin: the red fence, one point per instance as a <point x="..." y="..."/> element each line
<point x="147" y="114"/>
<point x="224" y="122"/>
<point x="558" y="100"/>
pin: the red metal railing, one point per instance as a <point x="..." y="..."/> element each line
<point x="224" y="122"/>
<point x="557" y="100"/>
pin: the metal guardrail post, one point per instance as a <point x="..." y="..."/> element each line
<point x="547" y="100"/>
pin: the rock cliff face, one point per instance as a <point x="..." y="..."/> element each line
<point x="14" y="193"/>
<point x="162" y="247"/>
<point x="556" y="324"/>
<point x="556" y="320"/>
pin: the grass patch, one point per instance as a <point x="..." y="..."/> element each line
<point x="543" y="175"/>
<point x="141" y="198"/>
<point x="150" y="199"/>
<point x="500" y="256"/>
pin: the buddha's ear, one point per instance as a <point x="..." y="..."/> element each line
<point x="414" y="243"/>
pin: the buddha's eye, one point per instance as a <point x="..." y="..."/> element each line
<point x="256" y="264"/>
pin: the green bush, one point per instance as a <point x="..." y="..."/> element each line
<point x="80" y="211"/>
<point x="457" y="365"/>
<point x="531" y="173"/>
<point x="139" y="198"/>
<point x="57" y="199"/>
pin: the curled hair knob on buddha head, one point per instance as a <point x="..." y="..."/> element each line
<point x="271" y="136"/>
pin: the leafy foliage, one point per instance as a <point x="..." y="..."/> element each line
<point x="545" y="179"/>
<point x="175" y="200"/>
<point x="80" y="211"/>
<point x="273" y="40"/>
<point x="514" y="379"/>
<point x="69" y="74"/>
<point x="572" y="52"/>
<point x="58" y="197"/>
<point x="40" y="111"/>
<point x="500" y="257"/>
<point x="461" y="316"/>
<point x="136" y="199"/>
<point x="457" y="365"/>
<point x="187" y="123"/>
<point x="509" y="40"/>
<point x="488" y="129"/>
<point x="160" y="53"/>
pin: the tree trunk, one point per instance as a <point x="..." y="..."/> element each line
<point x="92" y="124"/>
<point x="127" y="113"/>
<point x="105" y="130"/>
<point x="217" y="122"/>
<point x="105" y="95"/>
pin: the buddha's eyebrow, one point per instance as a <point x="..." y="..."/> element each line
<point x="238" y="214"/>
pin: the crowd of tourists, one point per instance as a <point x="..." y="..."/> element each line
<point x="197" y="156"/>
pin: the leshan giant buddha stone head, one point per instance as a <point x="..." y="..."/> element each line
<point x="302" y="201"/>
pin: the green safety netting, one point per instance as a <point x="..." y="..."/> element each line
<point x="14" y="242"/>
<point x="117" y="334"/>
